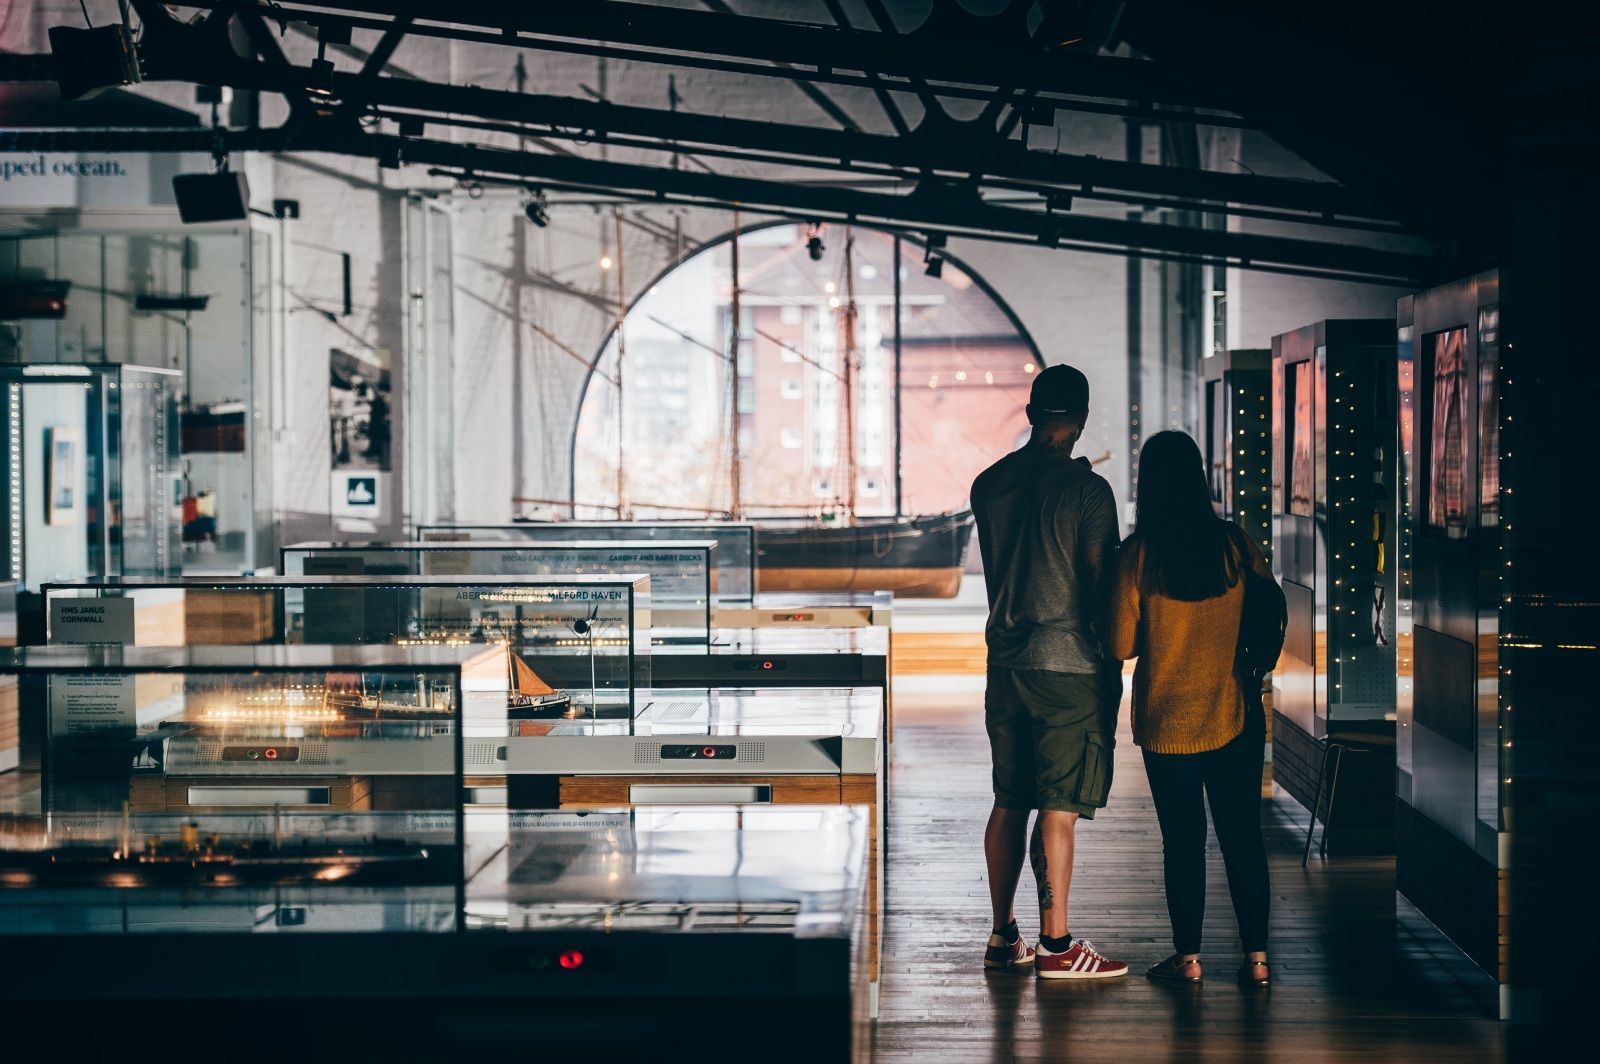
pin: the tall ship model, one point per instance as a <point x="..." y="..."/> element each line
<point x="918" y="557"/>
<point x="837" y="549"/>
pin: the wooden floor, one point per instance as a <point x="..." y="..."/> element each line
<point x="1355" y="980"/>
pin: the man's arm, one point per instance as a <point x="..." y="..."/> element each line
<point x="980" y="519"/>
<point x="1122" y="625"/>
<point x="1098" y="546"/>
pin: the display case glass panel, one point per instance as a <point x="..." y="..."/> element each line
<point x="91" y="475"/>
<point x="86" y="849"/>
<point x="581" y="644"/>
<point x="736" y="544"/>
<point x="682" y="574"/>
<point x="796" y="870"/>
<point x="855" y="712"/>
<point x="868" y="640"/>
<point x="202" y="303"/>
<point x="160" y="791"/>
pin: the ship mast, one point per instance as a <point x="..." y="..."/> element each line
<point x="735" y="502"/>
<point x="899" y="455"/>
<point x="622" y="313"/>
<point x="848" y="377"/>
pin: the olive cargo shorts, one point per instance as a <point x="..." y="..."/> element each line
<point x="1052" y="735"/>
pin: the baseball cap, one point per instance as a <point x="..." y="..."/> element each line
<point x="1060" y="391"/>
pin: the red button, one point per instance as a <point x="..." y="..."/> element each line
<point x="766" y="664"/>
<point x="709" y="751"/>
<point x="272" y="754"/>
<point x="570" y="959"/>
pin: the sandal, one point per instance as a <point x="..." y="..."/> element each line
<point x="1176" y="970"/>
<point x="1248" y="976"/>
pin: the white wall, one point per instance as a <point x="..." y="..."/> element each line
<point x="1263" y="305"/>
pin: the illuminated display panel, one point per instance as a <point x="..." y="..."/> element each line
<point x="1446" y="391"/>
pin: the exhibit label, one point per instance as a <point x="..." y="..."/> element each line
<point x="89" y="621"/>
<point x="89" y="703"/>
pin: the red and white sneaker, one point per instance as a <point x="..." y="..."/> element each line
<point x="1003" y="954"/>
<point x="1081" y="961"/>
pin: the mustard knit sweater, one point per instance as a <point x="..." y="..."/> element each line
<point x="1186" y="699"/>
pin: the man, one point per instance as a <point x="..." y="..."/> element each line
<point x="1047" y="529"/>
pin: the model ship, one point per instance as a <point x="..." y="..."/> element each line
<point x="914" y="556"/>
<point x="530" y="697"/>
<point x="357" y="699"/>
<point x="919" y="557"/>
<point x="212" y="860"/>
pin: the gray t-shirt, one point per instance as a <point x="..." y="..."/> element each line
<point x="1039" y="515"/>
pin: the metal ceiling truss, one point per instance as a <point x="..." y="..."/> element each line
<point x="950" y="161"/>
<point x="938" y="210"/>
<point x="941" y="146"/>
<point x="952" y="49"/>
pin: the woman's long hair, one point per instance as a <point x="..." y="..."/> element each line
<point x="1187" y="555"/>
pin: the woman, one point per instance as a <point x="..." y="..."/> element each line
<point x="1177" y="603"/>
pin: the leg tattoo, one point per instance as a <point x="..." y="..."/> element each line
<point x="1041" y="875"/>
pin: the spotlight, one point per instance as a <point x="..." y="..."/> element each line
<point x="935" y="266"/>
<point x="90" y="61"/>
<point x="320" y="77"/>
<point x="535" y="209"/>
<point x="814" y="245"/>
<point x="215" y="197"/>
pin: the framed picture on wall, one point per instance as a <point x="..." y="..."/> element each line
<point x="63" y="450"/>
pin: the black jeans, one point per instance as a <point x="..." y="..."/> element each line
<point x="1231" y="780"/>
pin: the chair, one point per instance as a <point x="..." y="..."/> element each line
<point x="1335" y="745"/>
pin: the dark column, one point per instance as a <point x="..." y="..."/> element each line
<point x="1551" y="587"/>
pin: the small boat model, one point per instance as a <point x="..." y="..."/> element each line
<point x="530" y="698"/>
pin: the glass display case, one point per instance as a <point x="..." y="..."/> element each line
<point x="682" y="573"/>
<point x="581" y="644"/>
<point x="751" y="746"/>
<point x="1333" y="491"/>
<point x="736" y="542"/>
<point x="518" y="927"/>
<point x="1236" y="438"/>
<point x="91" y="480"/>
<point x="200" y="302"/>
<point x="108" y="732"/>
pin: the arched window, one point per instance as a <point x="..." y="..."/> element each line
<point x="965" y="365"/>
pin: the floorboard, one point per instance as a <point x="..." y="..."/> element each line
<point x="1358" y="976"/>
